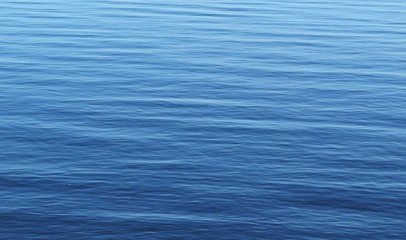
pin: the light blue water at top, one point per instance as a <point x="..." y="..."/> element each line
<point x="202" y="119"/>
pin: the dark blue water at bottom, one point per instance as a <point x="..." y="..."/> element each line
<point x="202" y="119"/>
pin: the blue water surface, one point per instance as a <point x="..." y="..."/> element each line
<point x="206" y="119"/>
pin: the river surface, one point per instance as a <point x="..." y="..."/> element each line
<point x="206" y="119"/>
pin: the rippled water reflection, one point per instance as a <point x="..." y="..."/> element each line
<point x="202" y="119"/>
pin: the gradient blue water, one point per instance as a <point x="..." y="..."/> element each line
<point x="207" y="119"/>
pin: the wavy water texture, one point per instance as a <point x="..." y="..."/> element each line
<point x="207" y="119"/>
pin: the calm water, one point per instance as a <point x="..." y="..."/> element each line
<point x="207" y="119"/>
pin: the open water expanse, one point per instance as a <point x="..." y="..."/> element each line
<point x="206" y="119"/>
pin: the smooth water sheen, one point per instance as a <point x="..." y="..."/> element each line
<point x="206" y="119"/>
